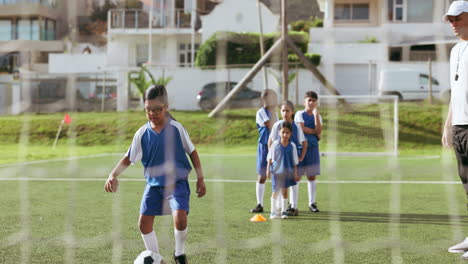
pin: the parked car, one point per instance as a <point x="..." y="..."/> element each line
<point x="212" y="93"/>
<point x="409" y="85"/>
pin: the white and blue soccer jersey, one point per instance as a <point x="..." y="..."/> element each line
<point x="297" y="136"/>
<point x="309" y="121"/>
<point x="283" y="158"/>
<point x="164" y="154"/>
<point x="263" y="115"/>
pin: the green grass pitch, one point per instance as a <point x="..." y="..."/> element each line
<point x="373" y="210"/>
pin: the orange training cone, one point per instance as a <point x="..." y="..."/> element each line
<point x="258" y="218"/>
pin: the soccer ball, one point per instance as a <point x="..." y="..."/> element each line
<point x="149" y="257"/>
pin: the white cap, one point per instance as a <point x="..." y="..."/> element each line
<point x="455" y="9"/>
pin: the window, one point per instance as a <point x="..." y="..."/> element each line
<point x="5" y="30"/>
<point x="185" y="54"/>
<point x="395" y="54"/>
<point x="422" y="52"/>
<point x="424" y="80"/>
<point x="357" y="11"/>
<point x="51" y="3"/>
<point x="29" y="29"/>
<point x="35" y="29"/>
<point x="24" y="29"/>
<point x="49" y="30"/>
<point x="396" y="10"/>
<point x="420" y="11"/>
<point x="141" y="54"/>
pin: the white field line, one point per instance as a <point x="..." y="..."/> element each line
<point x="233" y="181"/>
<point x="7" y="165"/>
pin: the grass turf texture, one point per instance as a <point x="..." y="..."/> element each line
<point x="76" y="221"/>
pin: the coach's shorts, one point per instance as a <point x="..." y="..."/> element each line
<point x="262" y="153"/>
<point x="460" y="145"/>
<point x="279" y="181"/>
<point x="310" y="166"/>
<point x="162" y="200"/>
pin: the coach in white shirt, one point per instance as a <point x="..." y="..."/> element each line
<point x="456" y="126"/>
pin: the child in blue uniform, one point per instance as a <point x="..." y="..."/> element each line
<point x="310" y="121"/>
<point x="162" y="145"/>
<point x="298" y="138"/>
<point x="282" y="168"/>
<point x="265" y="118"/>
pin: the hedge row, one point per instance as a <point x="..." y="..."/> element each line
<point x="244" y="48"/>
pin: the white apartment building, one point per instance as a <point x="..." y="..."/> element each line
<point x="173" y="30"/>
<point x="362" y="37"/>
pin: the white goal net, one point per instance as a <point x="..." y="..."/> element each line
<point x="359" y="125"/>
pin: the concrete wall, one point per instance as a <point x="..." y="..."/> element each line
<point x="76" y="63"/>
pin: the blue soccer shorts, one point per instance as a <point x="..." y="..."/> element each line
<point x="162" y="200"/>
<point x="279" y="181"/>
<point x="262" y="153"/>
<point x="310" y="166"/>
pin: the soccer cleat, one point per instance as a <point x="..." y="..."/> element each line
<point x="290" y="211"/>
<point x="313" y="208"/>
<point x="274" y="216"/>
<point x="257" y="209"/>
<point x="295" y="212"/>
<point x="182" y="259"/>
<point x="465" y="256"/>
<point x="460" y="248"/>
<point x="284" y="215"/>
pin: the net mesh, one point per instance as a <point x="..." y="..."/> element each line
<point x="357" y="125"/>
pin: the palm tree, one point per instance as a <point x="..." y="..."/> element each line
<point x="142" y="84"/>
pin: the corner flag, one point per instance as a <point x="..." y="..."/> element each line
<point x="67" y="119"/>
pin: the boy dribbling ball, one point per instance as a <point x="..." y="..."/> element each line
<point x="162" y="146"/>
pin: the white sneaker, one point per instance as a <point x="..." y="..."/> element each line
<point x="460" y="248"/>
<point x="274" y="216"/>
<point x="465" y="256"/>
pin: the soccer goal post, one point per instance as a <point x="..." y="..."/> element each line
<point x="359" y="125"/>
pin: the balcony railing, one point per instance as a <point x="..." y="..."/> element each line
<point x="138" y="19"/>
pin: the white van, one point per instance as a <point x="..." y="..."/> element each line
<point x="408" y="85"/>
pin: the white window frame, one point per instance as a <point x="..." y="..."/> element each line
<point x="403" y="7"/>
<point x="351" y="4"/>
<point x="186" y="52"/>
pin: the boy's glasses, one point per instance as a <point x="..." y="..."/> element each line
<point x="154" y="110"/>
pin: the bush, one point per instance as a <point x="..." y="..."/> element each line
<point x="313" y="58"/>
<point x="369" y="40"/>
<point x="318" y="22"/>
<point x="305" y="25"/>
<point x="242" y="48"/>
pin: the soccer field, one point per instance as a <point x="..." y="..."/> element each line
<point x="373" y="210"/>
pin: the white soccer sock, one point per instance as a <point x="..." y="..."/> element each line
<point x="273" y="205"/>
<point x="312" y="186"/>
<point x="278" y="200"/>
<point x="260" y="187"/>
<point x="294" y="195"/>
<point x="180" y="237"/>
<point x="151" y="241"/>
<point x="284" y="204"/>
